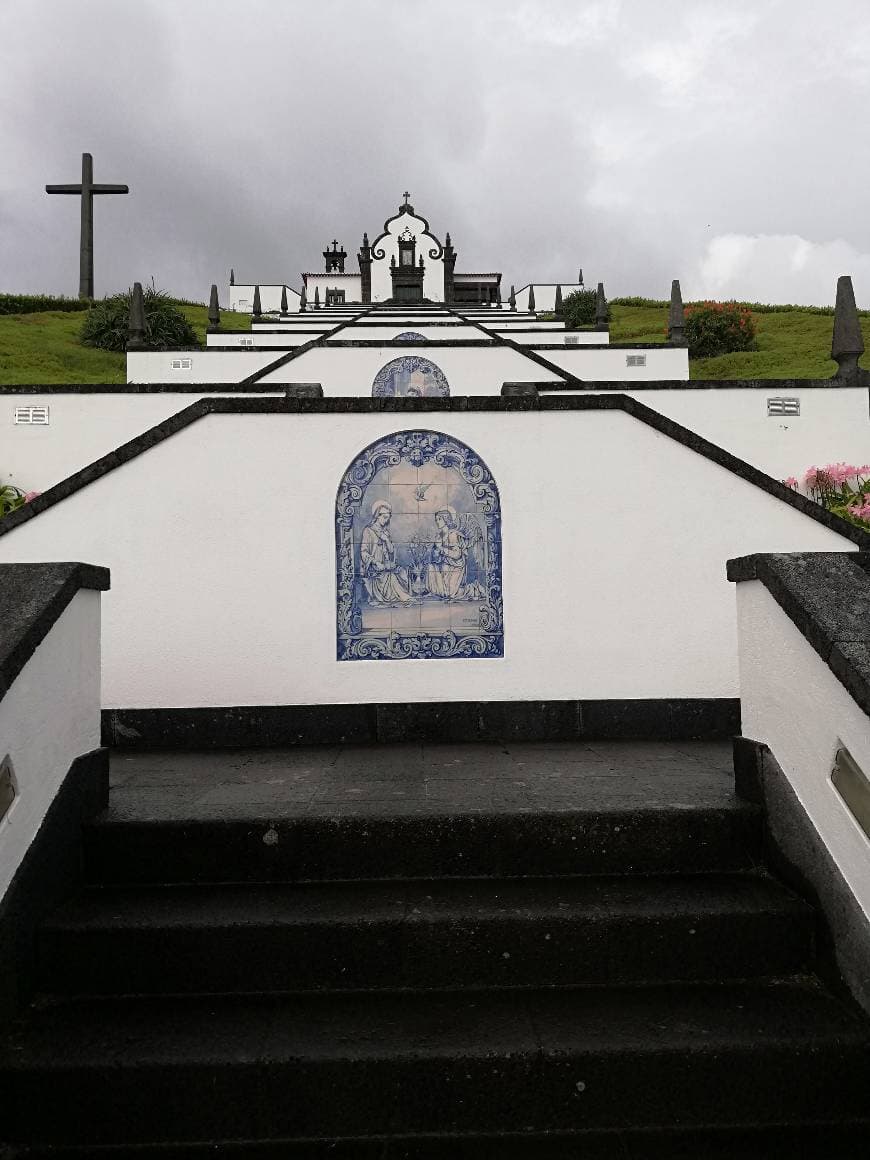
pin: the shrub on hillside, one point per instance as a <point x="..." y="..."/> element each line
<point x="578" y="308"/>
<point x="36" y="303"/>
<point x="166" y="327"/>
<point x="714" y="328"/>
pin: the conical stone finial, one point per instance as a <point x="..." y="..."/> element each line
<point x="531" y="305"/>
<point x="676" y="318"/>
<point x="557" y="304"/>
<point x="601" y="312"/>
<point x="580" y="277"/>
<point x="316" y="297"/>
<point x="283" y="299"/>
<point x="232" y="276"/>
<point x="214" y="311"/>
<point x="512" y="298"/>
<point x="847" y="342"/>
<point x="257" y="309"/>
<point x="136" y="319"/>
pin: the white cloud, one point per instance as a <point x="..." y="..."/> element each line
<point x="778" y="268"/>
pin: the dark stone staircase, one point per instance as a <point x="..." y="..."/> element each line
<point x="415" y="951"/>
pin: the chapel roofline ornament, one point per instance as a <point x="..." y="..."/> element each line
<point x="379" y="254"/>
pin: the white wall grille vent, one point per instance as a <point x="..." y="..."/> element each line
<point x="181" y="364"/>
<point x="783" y="406"/>
<point x="572" y="339"/>
<point x="635" y="360"/>
<point x="31" y="416"/>
<point x="246" y="342"/>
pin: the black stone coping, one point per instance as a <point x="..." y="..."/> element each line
<point x="144" y="388"/>
<point x="583" y="401"/>
<point x="317" y="340"/>
<point x="235" y="726"/>
<point x="32" y="597"/>
<point x="772" y="386"/>
<point x="826" y="595"/>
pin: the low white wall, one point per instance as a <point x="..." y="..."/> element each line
<point x="833" y="425"/>
<point x="614" y="536"/>
<point x="247" y="339"/>
<point x="351" y="371"/>
<point x="794" y="704"/>
<point x="437" y="333"/>
<point x="48" y="718"/>
<point x="602" y="366"/>
<point x="82" y="428"/>
<point x="350" y="283"/>
<point x="206" y="366"/>
<point x="317" y="325"/>
<point x="566" y="338"/>
<point x="241" y="298"/>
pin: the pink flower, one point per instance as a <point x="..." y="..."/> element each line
<point x="840" y="472"/>
<point x="791" y="482"/>
<point x="29" y="495"/>
<point x="811" y="477"/>
<point x="864" y="469"/>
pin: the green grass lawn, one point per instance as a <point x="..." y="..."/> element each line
<point x="44" y="348"/>
<point x="792" y="344"/>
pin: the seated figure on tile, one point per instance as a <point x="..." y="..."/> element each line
<point x="385" y="582"/>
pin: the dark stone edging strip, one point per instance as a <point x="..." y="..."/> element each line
<point x="582" y="401"/>
<point x="826" y="595"/>
<point x="32" y="597"/>
<point x="772" y="386"/>
<point x="318" y="341"/>
<point x="243" y="726"/>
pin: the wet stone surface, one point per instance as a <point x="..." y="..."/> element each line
<point x="420" y="779"/>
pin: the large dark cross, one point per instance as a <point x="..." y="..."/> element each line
<point x="406" y="196"/>
<point x="87" y="189"/>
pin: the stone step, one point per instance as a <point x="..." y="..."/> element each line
<point x="126" y="1071"/>
<point x="424" y="934"/>
<point x="362" y="844"/>
<point x="826" y="1141"/>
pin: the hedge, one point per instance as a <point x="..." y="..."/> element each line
<point x="36" y="303"/>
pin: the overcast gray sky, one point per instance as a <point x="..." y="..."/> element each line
<point x="721" y="143"/>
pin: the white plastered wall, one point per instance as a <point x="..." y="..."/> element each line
<point x="438" y="333"/>
<point x="206" y="366"/>
<point x="82" y="427"/>
<point x="564" y="338"/>
<point x="351" y="284"/>
<point x="245" y="339"/>
<point x="433" y="275"/>
<point x="611" y="365"/>
<point x="48" y="718"/>
<point x="794" y="704"/>
<point x="834" y="423"/>
<point x="350" y="371"/>
<point x="609" y="592"/>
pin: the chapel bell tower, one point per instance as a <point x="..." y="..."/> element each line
<point x="334" y="258"/>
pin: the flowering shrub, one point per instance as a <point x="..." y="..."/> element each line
<point x="12" y="497"/>
<point x="713" y="328"/>
<point x="842" y="488"/>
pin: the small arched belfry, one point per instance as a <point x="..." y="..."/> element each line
<point x="418" y="552"/>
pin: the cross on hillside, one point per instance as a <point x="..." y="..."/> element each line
<point x="87" y="189"/>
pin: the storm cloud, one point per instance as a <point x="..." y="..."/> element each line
<point x="721" y="143"/>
